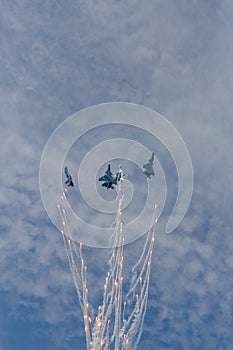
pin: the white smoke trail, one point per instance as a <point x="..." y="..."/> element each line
<point x="111" y="329"/>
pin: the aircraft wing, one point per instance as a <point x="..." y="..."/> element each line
<point x="69" y="182"/>
<point x="147" y="166"/>
<point x="152" y="172"/>
<point x="104" y="178"/>
<point x="149" y="172"/>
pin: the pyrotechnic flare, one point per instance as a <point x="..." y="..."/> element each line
<point x="111" y="329"/>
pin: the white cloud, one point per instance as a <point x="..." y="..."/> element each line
<point x="177" y="58"/>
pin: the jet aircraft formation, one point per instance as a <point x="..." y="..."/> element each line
<point x="109" y="180"/>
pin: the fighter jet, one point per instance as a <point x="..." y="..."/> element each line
<point x="69" y="181"/>
<point x="149" y="167"/>
<point x="120" y="176"/>
<point x="108" y="179"/>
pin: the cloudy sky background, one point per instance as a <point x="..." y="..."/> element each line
<point x="59" y="57"/>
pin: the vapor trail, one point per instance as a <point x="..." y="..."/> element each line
<point x="111" y="329"/>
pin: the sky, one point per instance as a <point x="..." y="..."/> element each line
<point x="174" y="57"/>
